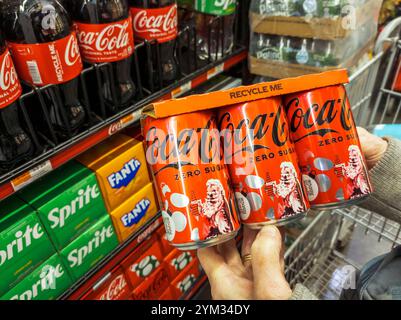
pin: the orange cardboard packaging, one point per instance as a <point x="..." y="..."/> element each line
<point x="134" y="212"/>
<point x="120" y="167"/>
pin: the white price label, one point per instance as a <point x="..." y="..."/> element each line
<point x="31" y="175"/>
<point x="215" y="71"/>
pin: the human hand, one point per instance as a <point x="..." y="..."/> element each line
<point x="373" y="147"/>
<point x="261" y="278"/>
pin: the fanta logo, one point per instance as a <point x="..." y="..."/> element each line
<point x="22" y="240"/>
<point x="113" y="36"/>
<point x="8" y="75"/>
<point x="77" y="256"/>
<point x="162" y="22"/>
<point x="72" y="55"/>
<point x="123" y="177"/>
<point x="318" y="116"/>
<point x="114" y="289"/>
<point x="134" y="216"/>
<point x="47" y="281"/>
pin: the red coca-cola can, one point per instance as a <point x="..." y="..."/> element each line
<point x="192" y="181"/>
<point x="322" y="127"/>
<point x="262" y="163"/>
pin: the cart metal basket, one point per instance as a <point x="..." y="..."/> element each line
<point x="326" y="256"/>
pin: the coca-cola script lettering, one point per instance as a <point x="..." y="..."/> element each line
<point x="102" y="43"/>
<point x="10" y="88"/>
<point x="159" y="24"/>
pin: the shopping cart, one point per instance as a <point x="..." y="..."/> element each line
<point x="328" y="253"/>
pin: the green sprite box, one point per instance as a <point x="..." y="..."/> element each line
<point x="88" y="249"/>
<point x="68" y="202"/>
<point x="216" y="7"/>
<point x="24" y="243"/>
<point x="46" y="282"/>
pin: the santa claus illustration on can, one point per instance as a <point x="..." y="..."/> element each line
<point x="289" y="191"/>
<point x="355" y="171"/>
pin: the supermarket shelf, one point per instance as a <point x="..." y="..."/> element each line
<point x="58" y="156"/>
<point x="88" y="281"/>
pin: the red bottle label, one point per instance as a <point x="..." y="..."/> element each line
<point x="47" y="63"/>
<point x="159" y="24"/>
<point x="10" y="88"/>
<point x="106" y="42"/>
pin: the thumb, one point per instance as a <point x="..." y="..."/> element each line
<point x="268" y="275"/>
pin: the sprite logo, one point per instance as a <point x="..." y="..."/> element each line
<point x="77" y="256"/>
<point x="134" y="216"/>
<point x="58" y="216"/>
<point x="216" y="7"/>
<point x="23" y="239"/>
<point x="47" y="281"/>
<point x="123" y="177"/>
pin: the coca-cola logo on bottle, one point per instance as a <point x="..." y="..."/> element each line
<point x="155" y="23"/>
<point x="8" y="75"/>
<point x="114" y="289"/>
<point x="72" y="51"/>
<point x="114" y="36"/>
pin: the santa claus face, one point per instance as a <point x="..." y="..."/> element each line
<point x="214" y="198"/>
<point x="354" y="159"/>
<point x="287" y="177"/>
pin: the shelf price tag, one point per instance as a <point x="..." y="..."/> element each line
<point x="124" y="122"/>
<point x="181" y="90"/>
<point x="31" y="175"/>
<point x="215" y="71"/>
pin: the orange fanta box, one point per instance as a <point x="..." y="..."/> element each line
<point x="134" y="212"/>
<point x="120" y="167"/>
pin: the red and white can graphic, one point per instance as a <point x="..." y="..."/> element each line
<point x="192" y="181"/>
<point x="10" y="87"/>
<point x="155" y="23"/>
<point x="329" y="152"/>
<point x="262" y="162"/>
<point x="47" y="63"/>
<point x="106" y="42"/>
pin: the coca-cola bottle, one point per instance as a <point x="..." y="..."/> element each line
<point x="221" y="33"/>
<point x="45" y="50"/>
<point x="157" y="20"/>
<point x="15" y="144"/>
<point x="105" y="34"/>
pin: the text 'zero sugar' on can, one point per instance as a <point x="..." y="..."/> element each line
<point x="329" y="152"/>
<point x="262" y="162"/>
<point x="198" y="206"/>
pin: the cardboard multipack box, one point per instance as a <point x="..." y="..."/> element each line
<point x="120" y="167"/>
<point x="24" y="244"/>
<point x="47" y="282"/>
<point x="177" y="261"/>
<point x="68" y="201"/>
<point x="143" y="262"/>
<point x="186" y="279"/>
<point x="153" y="286"/>
<point x="168" y="294"/>
<point x="89" y="248"/>
<point x="164" y="243"/>
<point x="327" y="28"/>
<point x="113" y="286"/>
<point x="132" y="214"/>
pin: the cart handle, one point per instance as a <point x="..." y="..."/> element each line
<point x="386" y="33"/>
